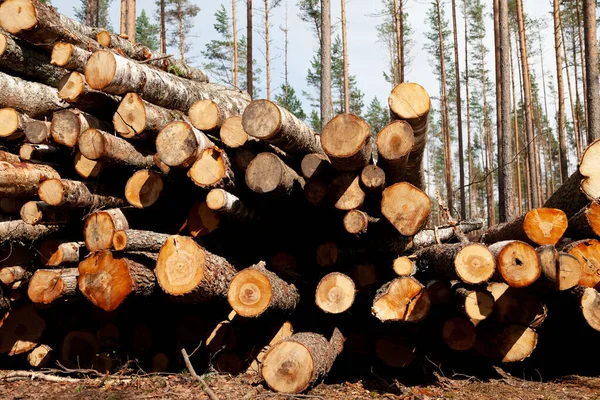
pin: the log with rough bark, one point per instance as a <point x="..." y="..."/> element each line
<point x="117" y="75"/>
<point x="40" y="356"/>
<point x="335" y="293"/>
<point x="517" y="262"/>
<point x="212" y="170"/>
<point x="38" y="212"/>
<point x="86" y="168"/>
<point x="202" y="220"/>
<point x="68" y="193"/>
<point x="107" y="281"/>
<point x="55" y="253"/>
<point x="23" y="179"/>
<point x="37" y="132"/>
<point x="561" y="271"/>
<point x="404" y="299"/>
<point x="179" y="144"/>
<point x="411" y="103"/>
<point x="589" y="303"/>
<point x="69" y="56"/>
<point x="19" y="94"/>
<point x="135" y="117"/>
<point x="356" y="222"/>
<point x="74" y="90"/>
<point x="188" y="272"/>
<point x="21" y="330"/>
<point x="301" y="360"/>
<point x="10" y="275"/>
<point x="67" y="125"/>
<point x="50" y="285"/>
<point x="41" y="154"/>
<point x="347" y="140"/>
<point x="475" y="304"/>
<point x="506" y="343"/>
<point x="136" y="240"/>
<point x="586" y="223"/>
<point x="268" y="174"/>
<point x="21" y="232"/>
<point x="79" y="349"/>
<point x="540" y="226"/>
<point x="207" y="115"/>
<point x="99" y="228"/>
<point x="232" y="133"/>
<point x="230" y="205"/>
<point x="98" y="145"/>
<point x="588" y="254"/>
<point x="143" y="189"/>
<point x="255" y="291"/>
<point x="516" y="306"/>
<point x="459" y="334"/>
<point x="395" y="351"/>
<point x="406" y="207"/>
<point x="12" y="123"/>
<point x="394" y="143"/>
<point x="373" y="178"/>
<point x="315" y="165"/>
<point x="345" y="192"/>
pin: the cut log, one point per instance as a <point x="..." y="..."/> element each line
<point x="301" y="360"/>
<point x="335" y="293"/>
<point x="10" y="275"/>
<point x="55" y="252"/>
<point x="99" y="228"/>
<point x="356" y="222"/>
<point x="164" y="168"/>
<point x="98" y="145"/>
<point x="315" y="191"/>
<point x="364" y="276"/>
<point x="207" y="115"/>
<point x="106" y="281"/>
<point x="404" y="299"/>
<point x="136" y="116"/>
<point x="87" y="168"/>
<point x="179" y="144"/>
<point x="74" y="90"/>
<point x="255" y="291"/>
<point x="188" y="272"/>
<point x="18" y="94"/>
<point x="21" y="232"/>
<point x="516" y="306"/>
<point x="114" y="74"/>
<point x="561" y="271"/>
<point x="243" y="157"/>
<point x="404" y="266"/>
<point x="286" y="330"/>
<point x="37" y="132"/>
<point x="345" y="192"/>
<point x="395" y="351"/>
<point x="230" y="205"/>
<point x="539" y="226"/>
<point x="373" y="178"/>
<point x="40" y="356"/>
<point x="38" y="212"/>
<point x="406" y="207"/>
<point x="143" y="188"/>
<point x="212" y="170"/>
<point x="475" y="304"/>
<point x="68" y="193"/>
<point x="459" y="334"/>
<point x="21" y="331"/>
<point x="12" y="124"/>
<point x="327" y="254"/>
<point x="50" y="285"/>
<point x="202" y="220"/>
<point x="589" y="302"/>
<point x="517" y="262"/>
<point x="69" y="56"/>
<point x="586" y="223"/>
<point x="41" y="154"/>
<point x="394" y="143"/>
<point x="471" y="263"/>
<point x="136" y="240"/>
<point x="410" y="102"/>
<point x="267" y="174"/>
<point x="79" y="349"/>
<point x="347" y="140"/>
<point x="67" y="125"/>
<point x="160" y="362"/>
<point x="315" y="165"/>
<point x="232" y="132"/>
<point x="588" y="254"/>
<point x="12" y="205"/>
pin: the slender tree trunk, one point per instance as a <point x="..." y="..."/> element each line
<point x="345" y="55"/>
<point x="131" y="14"/>
<point x="472" y="187"/>
<point x="546" y="133"/>
<point x="576" y="131"/>
<point x="516" y="129"/>
<point x="489" y="159"/>
<point x="235" y="46"/>
<point x="267" y="46"/>
<point x="163" y="28"/>
<point x="562" y="140"/>
<point x="326" y="105"/>
<point x="399" y="38"/>
<point x="581" y="57"/>
<point x="285" y="63"/>
<point x="499" y="142"/>
<point x="123" y="28"/>
<point x="249" y="75"/>
<point x="181" y="34"/>
<point x="591" y="65"/>
<point x="578" y="106"/>
<point x="461" y="161"/>
<point x="523" y="136"/>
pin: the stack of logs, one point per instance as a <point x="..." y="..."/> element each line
<point x="145" y="209"/>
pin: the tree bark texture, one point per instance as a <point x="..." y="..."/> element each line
<point x="18" y="94"/>
<point x="23" y="179"/>
<point x="394" y="144"/>
<point x="136" y="240"/>
<point x="69" y="193"/>
<point x="591" y="71"/>
<point x="98" y="145"/>
<point x="74" y="90"/>
<point x="50" y="285"/>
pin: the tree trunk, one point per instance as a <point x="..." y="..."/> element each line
<point x="131" y="15"/>
<point x="591" y="69"/>
<point x="69" y="56"/>
<point x="461" y="162"/>
<point x="517" y="262"/>
<point x="345" y="61"/>
<point x="373" y="179"/>
<point x="99" y="228"/>
<point x="576" y="127"/>
<point x="207" y="115"/>
<point x="476" y="304"/>
<point x="356" y="222"/>
<point x="12" y="125"/>
<point x="472" y="206"/>
<point x="562" y="140"/>
<point x="179" y="144"/>
<point x="163" y="28"/>
<point x="136" y="116"/>
<point x="143" y="188"/>
<point x="345" y="192"/>
<point x="37" y="212"/>
<point x="459" y="334"/>
<point x="394" y="143"/>
<point x="267" y="174"/>
<point x="249" y="59"/>
<point x="326" y="102"/>
<point x="232" y="133"/>
<point x="335" y="293"/>
<point x="64" y="192"/>
<point x="74" y="90"/>
<point x="230" y="205"/>
<point x="123" y="20"/>
<point x="398" y="198"/>
<point x="55" y="253"/>
<point x="540" y="226"/>
<point x="347" y="141"/>
<point x="50" y="285"/>
<point x="316" y="165"/>
<point x="20" y="232"/>
<point x="403" y="299"/>
<point x="18" y="94"/>
<point x="588" y="253"/>
<point x="136" y="240"/>
<point x="23" y="179"/>
<point x="68" y="125"/>
<point x="98" y="145"/>
<point x="41" y="153"/>
<point x="235" y="46"/>
<point x="586" y="223"/>
<point x="589" y="302"/>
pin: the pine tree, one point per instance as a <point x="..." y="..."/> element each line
<point x="180" y="14"/>
<point x="288" y="100"/>
<point x="377" y="116"/>
<point x="81" y="14"/>
<point x="146" y="32"/>
<point x="388" y="34"/>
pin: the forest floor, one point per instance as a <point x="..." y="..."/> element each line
<point x="182" y="386"/>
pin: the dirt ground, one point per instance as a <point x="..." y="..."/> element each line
<point x="182" y="386"/>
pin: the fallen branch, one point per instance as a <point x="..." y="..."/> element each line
<point x="200" y="379"/>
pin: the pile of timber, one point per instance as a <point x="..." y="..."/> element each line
<point x="145" y="210"/>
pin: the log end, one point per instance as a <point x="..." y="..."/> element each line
<point x="205" y="115"/>
<point x="21" y="330"/>
<point x="459" y="334"/>
<point x="568" y="272"/>
<point x="518" y="264"/>
<point x="180" y="265"/>
<point x="52" y="192"/>
<point x="40" y="356"/>
<point x="395" y="351"/>
<point x="61" y="54"/>
<point x="315" y="191"/>
<point x="588" y="254"/>
<point x="335" y="293"/>
<point x="176" y="143"/>
<point x="17" y="16"/>
<point x="409" y="101"/>
<point x="104" y="280"/>
<point x="71" y="86"/>
<point x="262" y="119"/>
<point x="344" y="136"/>
<point x="45" y="286"/>
<point x="202" y="220"/>
<point x="474" y="263"/>
<point x="210" y="168"/>
<point x="103" y="37"/>
<point x="395" y="140"/>
<point x="373" y="178"/>
<point x="232" y="132"/>
<point x="406" y="207"/>
<point x="590" y="307"/>
<point x="3" y="44"/>
<point x="478" y="304"/>
<point x="403" y="266"/>
<point x="92" y="144"/>
<point x="65" y="128"/>
<point x="588" y="167"/>
<point x="130" y="118"/>
<point x="517" y="343"/>
<point x="9" y="122"/>
<point x="31" y="213"/>
<point x="327" y="254"/>
<point x="143" y="189"/>
<point x="87" y="168"/>
<point x="314" y="165"/>
<point x="345" y="192"/>
<point x="356" y="222"/>
<point x="545" y="225"/>
<point x="265" y="173"/>
<point x="98" y="230"/>
<point x="100" y="69"/>
<point x="592" y="214"/>
<point x="250" y="293"/>
<point x="216" y="199"/>
<point x="288" y="367"/>
<point x="405" y="299"/>
<point x="51" y="253"/>
<point x="36" y="132"/>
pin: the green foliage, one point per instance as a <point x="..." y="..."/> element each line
<point x="146" y="32"/>
<point x="376" y="116"/>
<point x="314" y="121"/>
<point x="180" y="14"/>
<point x="288" y="100"/>
<point x="103" y="17"/>
<point x="310" y="12"/>
<point x="386" y="33"/>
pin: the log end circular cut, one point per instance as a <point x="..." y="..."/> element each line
<point x="335" y="293"/>
<point x="364" y="275"/>
<point x="262" y="119"/>
<point x="356" y="222"/>
<point x="288" y="367"/>
<point x="517" y="343"/>
<point x="100" y="69"/>
<point x="51" y="253"/>
<point x="458" y="334"/>
<point x="21" y="330"/>
<point x="92" y="144"/>
<point x="403" y="266"/>
<point x="52" y="192"/>
<point x="160" y="362"/>
<point x="143" y="188"/>
<point x="36" y="132"/>
<point x="474" y="263"/>
<point x="232" y="132"/>
<point x="315" y="191"/>
<point x="130" y="118"/>
<point x="590" y="307"/>
<point x="216" y="199"/>
<point x="202" y="220"/>
<point x="344" y="136"/>
<point x="327" y="254"/>
<point x="71" y="86"/>
<point x="61" y="54"/>
<point x="516" y="306"/>
<point x="40" y="356"/>
<point x="478" y="305"/>
<point x="250" y="293"/>
<point x="265" y="173"/>
<point x="588" y="254"/>
<point x="439" y="291"/>
<point x="592" y="214"/>
<point x="205" y="115"/>
<point x="31" y="213"/>
<point x="87" y="168"/>
<point x="588" y="167"/>
<point x="9" y="122"/>
<point x="409" y="101"/>
<point x="406" y="207"/>
<point x="3" y="43"/>
<point x="314" y="165"/>
<point x="65" y="128"/>
<point x="373" y="177"/>
<point x="17" y="16"/>
<point x="569" y="271"/>
<point x="545" y="225"/>
<point x="45" y="286"/>
<point x="98" y="230"/>
<point x="345" y="192"/>
<point x="395" y="351"/>
<point x="103" y="37"/>
<point x="120" y="240"/>
<point x="406" y="300"/>
<point x="176" y="143"/>
<point x="180" y="265"/>
<point x="210" y="167"/>
<point x="518" y="264"/>
<point x="395" y="140"/>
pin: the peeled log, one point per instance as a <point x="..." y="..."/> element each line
<point x="19" y="231"/>
<point x="21" y="330"/>
<point x="347" y="140"/>
<point x="404" y="299"/>
<point x="67" y="125"/>
<point x="179" y="144"/>
<point x="299" y="361"/>
<point x="586" y="223"/>
<point x="19" y="94"/>
<point x="69" y="56"/>
<point x="394" y="143"/>
<point x="87" y="168"/>
<point x="136" y="116"/>
<point x="40" y="356"/>
<point x="55" y="253"/>
<point x="207" y="115"/>
<point x="232" y="132"/>
<point x="517" y="262"/>
<point x="230" y="205"/>
<point x="99" y="228"/>
<point x="12" y="123"/>
<point x="137" y="240"/>
<point x="190" y="273"/>
<point x="345" y="192"/>
<point x="589" y="302"/>
<point x="97" y="145"/>
<point x="23" y="179"/>
<point x="212" y="169"/>
<point x="268" y="174"/>
<point x="50" y="285"/>
<point x="588" y="254"/>
<point x="106" y="281"/>
<point x="561" y="270"/>
<point x="540" y="226"/>
<point x="335" y="293"/>
<point x="406" y="207"/>
<point x="373" y="178"/>
<point x="143" y="189"/>
<point x="38" y="212"/>
<point x="459" y="334"/>
<point x="68" y="193"/>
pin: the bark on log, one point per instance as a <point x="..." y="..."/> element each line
<point x="373" y="179"/>
<point x="23" y="179"/>
<point x="74" y="90"/>
<point x="299" y="361"/>
<point x="21" y="330"/>
<point x="335" y="293"/>
<point x="179" y="144"/>
<point x="404" y="299"/>
<point x="67" y="125"/>
<point x="516" y="306"/>
<point x="229" y="204"/>
<point x="427" y="237"/>
<point x="212" y="170"/>
<point x="135" y="117"/>
<point x="561" y="271"/>
<point x="202" y="220"/>
<point x="69" y="56"/>
<point x="136" y="240"/>
<point x="12" y="124"/>
<point x="459" y="334"/>
<point x="347" y="140"/>
<point x="540" y="226"/>
<point x="38" y="212"/>
<point x="68" y="193"/>
<point x="99" y="228"/>
<point x="586" y="223"/>
<point x="21" y="232"/>
<point x="143" y="189"/>
<point x="18" y="94"/>
<point x="395" y="351"/>
<point x="50" y="285"/>
<point x="55" y="253"/>
<point x="37" y="132"/>
<point x="517" y="262"/>
<point x="98" y="145"/>
<point x="267" y="174"/>
<point x="40" y="356"/>
<point x="345" y="192"/>
<point x="10" y="275"/>
<point x="406" y="207"/>
<point x="207" y="115"/>
<point x="394" y="143"/>
<point x="588" y="254"/>
<point x="106" y="281"/>
<point x="255" y="291"/>
<point x="188" y="272"/>
<point x="87" y="168"/>
<point x="232" y="133"/>
<point x="589" y="302"/>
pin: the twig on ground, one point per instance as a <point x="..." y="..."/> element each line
<point x="31" y="375"/>
<point x="200" y="380"/>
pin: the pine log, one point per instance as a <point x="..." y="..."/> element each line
<point x="136" y="240"/>
<point x="299" y="361"/>
<point x="255" y="291"/>
<point x="21" y="331"/>
<point x="38" y="212"/>
<point x="143" y="188"/>
<point x="37" y="132"/>
<point x="74" y="90"/>
<point x="79" y="349"/>
<point x="512" y="343"/>
<point x="345" y="192"/>
<point x="19" y="231"/>
<point x="50" y="285"/>
<point x="207" y="115"/>
<point x="212" y="170"/>
<point x="285" y="331"/>
<point x="516" y="306"/>
<point x="406" y="207"/>
<point x="404" y="299"/>
<point x="347" y="140"/>
<point x="268" y="174"/>
<point x="410" y="102"/>
<point x="18" y="94"/>
<point x="98" y="145"/>
<point x="68" y="193"/>
<point x="328" y="254"/>
<point x="540" y="226"/>
<point x="136" y="116"/>
<point x="12" y="205"/>
<point x="67" y="126"/>
<point x="55" y="253"/>
<point x="41" y="154"/>
<point x="12" y="123"/>
<point x="475" y="304"/>
<point x="229" y="204"/>
<point x="517" y="262"/>
<point x="316" y="165"/>
<point x="588" y="254"/>
<point x="40" y="356"/>
<point x="335" y="293"/>
<point x="23" y="179"/>
<point x="179" y="144"/>
<point x="356" y="222"/>
<point x="117" y="75"/>
<point x="589" y="302"/>
<point x="10" y="275"/>
<point x="232" y="133"/>
<point x="188" y="272"/>
<point x="315" y="191"/>
<point x="99" y="228"/>
<point x="439" y="292"/>
<point x="69" y="56"/>
<point x="586" y="223"/>
<point x="373" y="178"/>
<point x="395" y="351"/>
<point x="106" y="281"/>
<point x="561" y="271"/>
<point x="404" y="266"/>
<point x="86" y="168"/>
<point x="202" y="220"/>
<point x="394" y="143"/>
<point x="458" y="334"/>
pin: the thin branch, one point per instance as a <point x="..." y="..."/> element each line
<point x="200" y="379"/>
